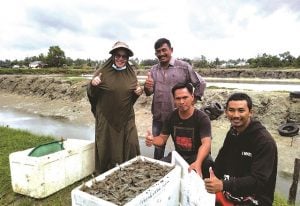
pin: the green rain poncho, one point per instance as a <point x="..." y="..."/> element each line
<point x="116" y="139"/>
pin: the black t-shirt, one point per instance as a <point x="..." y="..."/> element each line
<point x="187" y="133"/>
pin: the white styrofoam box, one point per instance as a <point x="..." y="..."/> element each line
<point x="163" y="193"/>
<point x="192" y="189"/>
<point x="40" y="177"/>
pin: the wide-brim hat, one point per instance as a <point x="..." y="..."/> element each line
<point x="120" y="44"/>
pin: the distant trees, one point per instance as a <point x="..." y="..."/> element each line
<point x="282" y="60"/>
<point x="202" y="62"/>
<point x="56" y="58"/>
<point x="148" y="62"/>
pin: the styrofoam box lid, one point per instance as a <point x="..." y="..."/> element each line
<point x="71" y="146"/>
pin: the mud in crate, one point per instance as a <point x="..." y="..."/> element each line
<point x="39" y="177"/>
<point x="140" y="181"/>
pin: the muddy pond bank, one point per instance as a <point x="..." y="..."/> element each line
<point x="61" y="98"/>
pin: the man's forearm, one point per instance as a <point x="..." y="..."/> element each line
<point x="160" y="140"/>
<point x="203" y="151"/>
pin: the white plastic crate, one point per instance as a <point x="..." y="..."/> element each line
<point x="163" y="193"/>
<point x="192" y="188"/>
<point x="40" y="177"/>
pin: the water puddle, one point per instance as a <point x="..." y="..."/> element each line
<point x="56" y="127"/>
<point x="44" y="125"/>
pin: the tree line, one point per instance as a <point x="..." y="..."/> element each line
<point x="56" y="58"/>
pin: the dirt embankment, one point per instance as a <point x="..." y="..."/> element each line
<point x="57" y="97"/>
<point x="244" y="73"/>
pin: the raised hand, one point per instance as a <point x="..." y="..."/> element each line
<point x="213" y="184"/>
<point x="96" y="80"/>
<point x="138" y="91"/>
<point x="149" y="82"/>
<point x="149" y="138"/>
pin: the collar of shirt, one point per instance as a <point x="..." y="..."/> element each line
<point x="171" y="63"/>
<point x="117" y="68"/>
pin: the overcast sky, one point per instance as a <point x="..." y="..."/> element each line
<point x="227" y="29"/>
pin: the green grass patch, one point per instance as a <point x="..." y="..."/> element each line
<point x="12" y="140"/>
<point x="280" y="201"/>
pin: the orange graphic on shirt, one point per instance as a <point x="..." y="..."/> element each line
<point x="184" y="142"/>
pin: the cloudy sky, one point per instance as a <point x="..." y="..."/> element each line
<point x="227" y="29"/>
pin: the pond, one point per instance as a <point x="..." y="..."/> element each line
<point x="249" y="83"/>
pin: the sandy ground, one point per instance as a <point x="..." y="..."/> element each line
<point x="79" y="112"/>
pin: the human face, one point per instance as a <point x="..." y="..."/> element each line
<point x="164" y="54"/>
<point x="121" y="58"/>
<point x="183" y="99"/>
<point x="238" y="113"/>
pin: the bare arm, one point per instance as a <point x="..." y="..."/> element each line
<point x="203" y="151"/>
<point x="156" y="141"/>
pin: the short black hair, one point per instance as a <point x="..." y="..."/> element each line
<point x="240" y="96"/>
<point x="189" y="87"/>
<point x="162" y="41"/>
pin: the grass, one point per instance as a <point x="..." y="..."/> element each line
<point x="12" y="140"/>
<point x="280" y="201"/>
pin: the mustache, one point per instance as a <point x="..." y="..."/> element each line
<point x="161" y="56"/>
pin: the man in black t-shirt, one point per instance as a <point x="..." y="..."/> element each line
<point x="190" y="130"/>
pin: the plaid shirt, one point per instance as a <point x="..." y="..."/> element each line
<point x="164" y="79"/>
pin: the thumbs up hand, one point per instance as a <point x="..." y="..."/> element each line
<point x="213" y="184"/>
<point x="96" y="80"/>
<point x="149" y="138"/>
<point x="149" y="83"/>
<point x="138" y="91"/>
<point x="211" y="173"/>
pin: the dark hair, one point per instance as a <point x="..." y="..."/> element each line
<point x="240" y="96"/>
<point x="162" y="41"/>
<point x="189" y="87"/>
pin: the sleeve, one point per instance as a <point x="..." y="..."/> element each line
<point x="205" y="125"/>
<point x="92" y="98"/>
<point x="92" y="93"/>
<point x="199" y="85"/>
<point x="135" y="96"/>
<point x="219" y="166"/>
<point x="261" y="170"/>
